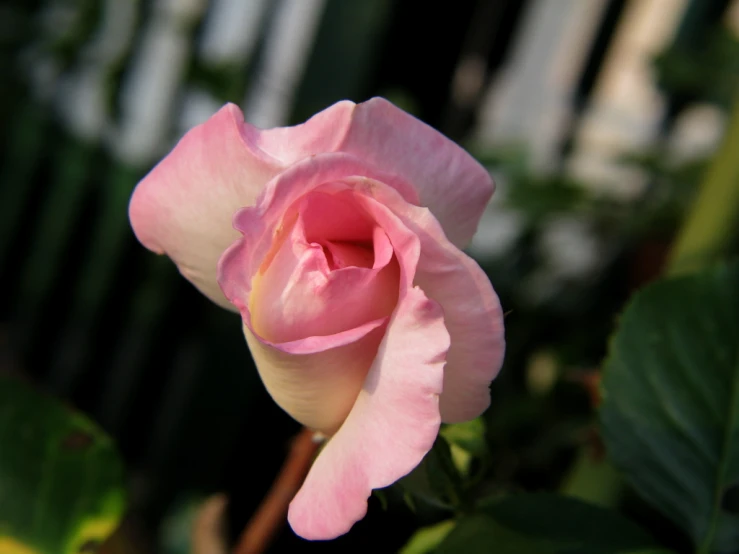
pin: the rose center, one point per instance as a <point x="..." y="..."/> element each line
<point x="341" y="254"/>
<point x="331" y="270"/>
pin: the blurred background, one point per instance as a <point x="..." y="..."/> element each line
<point x="597" y="119"/>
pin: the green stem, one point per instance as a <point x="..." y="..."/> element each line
<point x="708" y="229"/>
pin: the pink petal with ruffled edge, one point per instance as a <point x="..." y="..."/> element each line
<point x="318" y="384"/>
<point x="183" y="208"/>
<point x="391" y="427"/>
<point x="450" y="182"/>
<point x="472" y="312"/>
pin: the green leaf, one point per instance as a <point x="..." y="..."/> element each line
<point x="382" y="497"/>
<point x="469" y="435"/>
<point x="562" y="520"/>
<point x="436" y="480"/>
<point x="547" y="524"/>
<point x="426" y="539"/>
<point x="60" y="476"/>
<point x="481" y="534"/>
<point x="670" y="415"/>
<point x="466" y="442"/>
<point x="442" y="472"/>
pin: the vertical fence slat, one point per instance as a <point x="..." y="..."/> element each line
<point x="60" y="212"/>
<point x="26" y="147"/>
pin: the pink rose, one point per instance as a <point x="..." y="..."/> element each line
<point x="338" y="241"/>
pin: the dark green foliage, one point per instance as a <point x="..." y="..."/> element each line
<point x="61" y="480"/>
<point x="670" y="416"/>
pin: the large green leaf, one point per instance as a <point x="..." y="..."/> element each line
<point x="670" y="414"/>
<point x="546" y="524"/>
<point x="60" y="476"/>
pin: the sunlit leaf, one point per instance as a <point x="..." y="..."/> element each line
<point x="469" y="435"/>
<point x="426" y="539"/>
<point x="61" y="481"/>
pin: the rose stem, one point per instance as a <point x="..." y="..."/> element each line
<point x="272" y="512"/>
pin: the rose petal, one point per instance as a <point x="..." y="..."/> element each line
<point x="472" y="311"/>
<point x="316" y="380"/>
<point x="322" y="133"/>
<point x="183" y="207"/>
<point x="450" y="182"/>
<point x="474" y="318"/>
<point x="391" y="427"/>
<point x="446" y="179"/>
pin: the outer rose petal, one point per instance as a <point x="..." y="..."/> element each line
<point x="450" y="182"/>
<point x="322" y="133"/>
<point x="472" y="311"/>
<point x="392" y="425"/>
<point x="183" y="207"/>
<point x="474" y="318"/>
<point x="317" y="380"/>
<point x="454" y="186"/>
